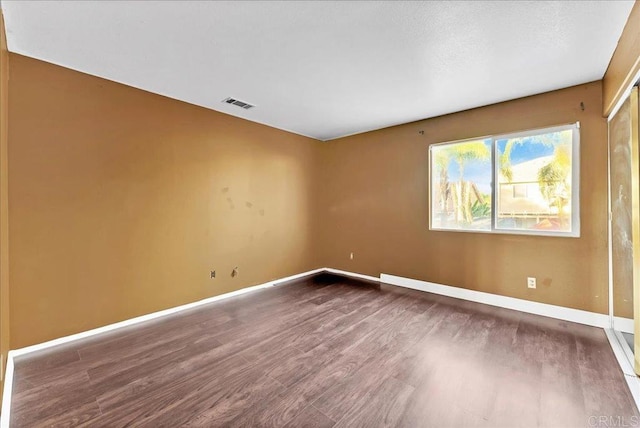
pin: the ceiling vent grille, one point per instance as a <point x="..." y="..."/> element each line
<point x="238" y="103"/>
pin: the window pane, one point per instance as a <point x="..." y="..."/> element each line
<point x="461" y="185"/>
<point x="534" y="182"/>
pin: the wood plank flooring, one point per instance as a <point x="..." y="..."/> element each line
<point x="329" y="352"/>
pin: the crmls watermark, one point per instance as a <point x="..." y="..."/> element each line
<point x="614" y="421"/>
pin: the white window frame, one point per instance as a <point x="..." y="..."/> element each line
<point x="575" y="183"/>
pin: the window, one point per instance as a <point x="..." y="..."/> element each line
<point x="524" y="183"/>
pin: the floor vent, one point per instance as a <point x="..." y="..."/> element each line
<point x="238" y="103"/>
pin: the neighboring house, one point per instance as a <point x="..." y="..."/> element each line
<point x="521" y="197"/>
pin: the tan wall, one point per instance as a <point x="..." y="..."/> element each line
<point x="374" y="201"/>
<point x="122" y="201"/>
<point x="624" y="64"/>
<point x="4" y="242"/>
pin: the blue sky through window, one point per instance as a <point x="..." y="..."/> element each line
<point x="476" y="171"/>
<point x="530" y="149"/>
<point x="479" y="171"/>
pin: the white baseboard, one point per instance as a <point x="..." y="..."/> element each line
<point x="628" y="353"/>
<point x="8" y="381"/>
<point x="615" y="341"/>
<point x="544" y="309"/>
<point x="567" y="314"/>
<point x="5" y="413"/>
<point x="634" y="386"/>
<point x="618" y="344"/>
<point x="159" y="314"/>
<point x="625" y="360"/>
<point x="624" y="325"/>
<point x="352" y="274"/>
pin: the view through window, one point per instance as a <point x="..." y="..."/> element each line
<point x="536" y="183"/>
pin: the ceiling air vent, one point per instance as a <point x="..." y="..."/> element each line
<point x="238" y="103"/>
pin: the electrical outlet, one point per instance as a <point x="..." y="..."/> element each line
<point x="213" y="274"/>
<point x="531" y="282"/>
<point x="351" y="256"/>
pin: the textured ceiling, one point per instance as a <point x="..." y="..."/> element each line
<point x="326" y="69"/>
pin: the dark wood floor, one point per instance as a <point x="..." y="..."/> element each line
<point x="329" y="352"/>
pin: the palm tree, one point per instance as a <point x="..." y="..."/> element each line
<point x="441" y="159"/>
<point x="463" y="153"/>
<point x="552" y="179"/>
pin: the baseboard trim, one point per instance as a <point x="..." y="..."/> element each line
<point x="621" y="355"/>
<point x="5" y="417"/>
<point x="624" y="325"/>
<point x="158" y="314"/>
<point x="352" y="274"/>
<point x="559" y="312"/>
<point x="544" y="309"/>
<point x="615" y="341"/>
<point x="634" y="386"/>
<point x="628" y="353"/>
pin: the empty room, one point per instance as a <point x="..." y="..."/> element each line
<point x="319" y="213"/>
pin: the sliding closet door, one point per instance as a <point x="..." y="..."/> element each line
<point x="625" y="214"/>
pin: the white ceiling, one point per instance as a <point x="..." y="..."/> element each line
<point x="326" y="69"/>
